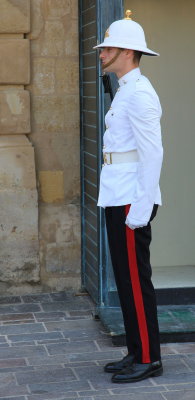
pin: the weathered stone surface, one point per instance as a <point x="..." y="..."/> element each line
<point x="54" y="90"/>
<point x="53" y="40"/>
<point x="14" y="16"/>
<point x="57" y="8"/>
<point x="15" y="61"/>
<point x="67" y="76"/>
<point x="14" y="112"/>
<point x="37" y="19"/>
<point x="48" y="113"/>
<point x="51" y="186"/>
<point x="43" y="76"/>
<point x="19" y="217"/>
<point x="60" y="240"/>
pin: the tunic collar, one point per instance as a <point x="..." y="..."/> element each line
<point x="131" y="75"/>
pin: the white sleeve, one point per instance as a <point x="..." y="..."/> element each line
<point x="144" y="115"/>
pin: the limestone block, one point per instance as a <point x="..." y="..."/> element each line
<point x="71" y="111"/>
<point x="57" y="8"/>
<point x="53" y="42"/>
<point x="48" y="113"/>
<point x="51" y="186"/>
<point x="43" y="76"/>
<point x="15" y="61"/>
<point x="60" y="239"/>
<point x="67" y="75"/>
<point x="14" y="16"/>
<point x="17" y="169"/>
<point x="14" y="112"/>
<point x="19" y="212"/>
<point x="37" y="19"/>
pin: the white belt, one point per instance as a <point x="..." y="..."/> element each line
<point x="118" y="158"/>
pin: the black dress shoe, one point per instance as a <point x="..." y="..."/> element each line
<point x="137" y="372"/>
<point x="117" y="366"/>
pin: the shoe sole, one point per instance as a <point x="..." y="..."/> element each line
<point x="154" y="374"/>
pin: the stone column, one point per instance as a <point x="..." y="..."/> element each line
<point x="19" y="260"/>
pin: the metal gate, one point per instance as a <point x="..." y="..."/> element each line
<point x="95" y="17"/>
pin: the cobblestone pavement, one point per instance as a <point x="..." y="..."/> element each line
<point x="52" y="348"/>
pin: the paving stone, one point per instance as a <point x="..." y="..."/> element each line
<point x="105" y="382"/>
<point x="49" y="375"/>
<point x="16" y="369"/>
<point x="12" y="390"/>
<point x="140" y="389"/>
<point x="187" y="348"/>
<point x="25" y="351"/>
<point x="73" y="325"/>
<point x="170" y="377"/>
<point x="63" y="358"/>
<point x="76" y="304"/>
<point x="53" y="316"/>
<point x="13" y="398"/>
<point x="61" y="296"/>
<point x="92" y="372"/>
<point x="55" y="396"/>
<point x="18" y="322"/>
<point x="107" y="355"/>
<point x="19" y="308"/>
<point x="153" y="396"/>
<point x="83" y="334"/>
<point x="17" y="362"/>
<point x="16" y="317"/>
<point x="167" y="349"/>
<point x="190" y="361"/>
<point x="86" y="313"/>
<point x="21" y="344"/>
<point x="76" y="347"/>
<point x="48" y="360"/>
<point x="180" y="395"/>
<point x="35" y="336"/>
<point x="10" y="299"/>
<point x="21" y="328"/>
<point x="36" y="298"/>
<point x="59" y="387"/>
<point x="2" y="340"/>
<point x="53" y="341"/>
<point x="100" y="393"/>
<point x="175" y="364"/>
<point x="181" y="386"/>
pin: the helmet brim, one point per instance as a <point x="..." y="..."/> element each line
<point x="129" y="46"/>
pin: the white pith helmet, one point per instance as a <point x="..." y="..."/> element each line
<point x="126" y="34"/>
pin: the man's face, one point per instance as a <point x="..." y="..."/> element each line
<point x="106" y="55"/>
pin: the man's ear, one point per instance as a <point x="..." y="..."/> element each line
<point x="129" y="53"/>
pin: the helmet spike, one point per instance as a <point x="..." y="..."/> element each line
<point x="128" y="14"/>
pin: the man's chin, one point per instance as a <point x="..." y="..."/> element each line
<point x="106" y="69"/>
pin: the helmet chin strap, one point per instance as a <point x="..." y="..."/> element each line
<point x="113" y="59"/>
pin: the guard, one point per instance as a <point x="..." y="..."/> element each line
<point x="130" y="194"/>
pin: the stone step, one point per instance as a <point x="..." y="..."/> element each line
<point x="176" y="323"/>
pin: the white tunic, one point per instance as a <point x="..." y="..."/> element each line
<point x="133" y="123"/>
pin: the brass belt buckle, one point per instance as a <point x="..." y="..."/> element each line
<point x="105" y="158"/>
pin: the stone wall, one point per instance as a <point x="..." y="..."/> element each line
<point x="49" y="72"/>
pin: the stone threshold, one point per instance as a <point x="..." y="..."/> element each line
<point x="176" y="323"/>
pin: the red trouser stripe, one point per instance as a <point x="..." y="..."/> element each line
<point x="137" y="293"/>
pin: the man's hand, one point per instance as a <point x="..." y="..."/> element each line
<point x="133" y="225"/>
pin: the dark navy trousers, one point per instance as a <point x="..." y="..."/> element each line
<point x="130" y="257"/>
